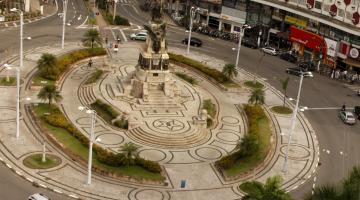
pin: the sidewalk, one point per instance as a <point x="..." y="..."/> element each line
<point x="193" y="164"/>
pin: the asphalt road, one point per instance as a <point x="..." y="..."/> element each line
<point x="338" y="142"/>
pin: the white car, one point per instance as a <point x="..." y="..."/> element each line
<point x="347" y="117"/>
<point x="139" y="36"/>
<point x="38" y="196"/>
<point x="270" y="50"/>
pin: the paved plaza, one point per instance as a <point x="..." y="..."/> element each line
<point x="165" y="133"/>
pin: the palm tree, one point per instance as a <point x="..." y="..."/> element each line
<point x="49" y="93"/>
<point x="257" y="96"/>
<point x="47" y="65"/>
<point x="351" y="186"/>
<point x="229" y="70"/>
<point x="284" y="85"/>
<point x="129" y="150"/>
<point x="91" y="36"/>
<point x="248" y="145"/>
<point x="259" y="191"/>
<point x="324" y="193"/>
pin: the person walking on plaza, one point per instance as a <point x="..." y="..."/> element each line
<point x="90" y="63"/>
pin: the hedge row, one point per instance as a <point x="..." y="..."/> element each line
<point x="110" y="113"/>
<point x="213" y="73"/>
<point x="186" y="77"/>
<point x="57" y="119"/>
<point x="94" y="76"/>
<point x="249" y="145"/>
<point x="65" y="61"/>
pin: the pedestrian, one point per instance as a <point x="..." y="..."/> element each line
<point x="343" y="108"/>
<point x="118" y="39"/>
<point x="90" y="63"/>
<point x="106" y="40"/>
<point x="337" y="74"/>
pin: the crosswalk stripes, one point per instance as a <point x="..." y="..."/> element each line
<point x="125" y="1"/>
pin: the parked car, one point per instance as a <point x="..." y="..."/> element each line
<point x="193" y="41"/>
<point x="308" y="66"/>
<point x="270" y="50"/>
<point x="38" y="196"/>
<point x="139" y="36"/>
<point x="347" y="117"/>
<point x="249" y="43"/>
<point x="288" y="57"/>
<point x="357" y="112"/>
<point x="298" y="71"/>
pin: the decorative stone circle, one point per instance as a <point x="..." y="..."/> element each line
<point x="228" y="136"/>
<point x="152" y="154"/>
<point x="149" y="195"/>
<point x="208" y="153"/>
<point x="230" y="120"/>
<point x="110" y="139"/>
<point x="301" y="152"/>
<point x="34" y="161"/>
<point x="168" y="125"/>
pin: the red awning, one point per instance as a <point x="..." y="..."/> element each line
<point x="308" y="39"/>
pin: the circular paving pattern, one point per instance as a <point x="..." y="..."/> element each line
<point x="230" y="120"/>
<point x="110" y="139"/>
<point x="7" y="114"/>
<point x="208" y="153"/>
<point x="152" y="154"/>
<point x="168" y="125"/>
<point x="149" y="195"/>
<point x="35" y="161"/>
<point x="295" y="151"/>
<point x="228" y="136"/>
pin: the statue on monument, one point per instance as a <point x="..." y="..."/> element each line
<point x="156" y="11"/>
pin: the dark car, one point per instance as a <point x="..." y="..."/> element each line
<point x="307" y="66"/>
<point x="357" y="112"/>
<point x="298" y="71"/>
<point x="193" y="41"/>
<point x="288" y="57"/>
<point x="249" y="43"/>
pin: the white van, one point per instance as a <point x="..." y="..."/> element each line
<point x="38" y="196"/>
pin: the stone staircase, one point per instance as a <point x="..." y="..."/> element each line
<point x="191" y="138"/>
<point x="156" y="99"/>
<point x="86" y="94"/>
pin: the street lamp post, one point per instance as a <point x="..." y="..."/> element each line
<point x="293" y="122"/>
<point x="242" y="30"/>
<point x="64" y="22"/>
<point x="193" y="11"/>
<point x="114" y="14"/>
<point x="91" y="139"/>
<point x="18" y="71"/>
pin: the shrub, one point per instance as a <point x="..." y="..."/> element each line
<point x="148" y="165"/>
<point x="210" y="107"/>
<point x="186" y="77"/>
<point x="122" y="123"/>
<point x="94" y="76"/>
<point x="226" y="162"/>
<point x="213" y="73"/>
<point x="209" y="122"/>
<point x="107" y="108"/>
<point x="121" y="21"/>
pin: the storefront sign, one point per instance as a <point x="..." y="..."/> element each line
<point x="232" y="19"/>
<point x="344" y="48"/>
<point x="296" y="21"/>
<point x="354" y="52"/>
<point x="331" y="47"/>
<point x="308" y="39"/>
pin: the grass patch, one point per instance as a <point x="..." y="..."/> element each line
<point x="37" y="80"/>
<point x="11" y="82"/>
<point x="213" y="73"/>
<point x="253" y="85"/>
<point x="281" y="110"/>
<point x="94" y="76"/>
<point x="73" y="144"/>
<point x="253" y="148"/>
<point x="186" y="77"/>
<point x="35" y="161"/>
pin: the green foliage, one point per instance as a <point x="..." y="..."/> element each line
<point x="209" y="107"/>
<point x="213" y="73"/>
<point x="57" y="119"/>
<point x="257" y="96"/>
<point x="186" y="77"/>
<point x="94" y="76"/>
<point x="281" y="109"/>
<point x="229" y="70"/>
<point x="47" y="66"/>
<point x="35" y="161"/>
<point x="270" y="190"/>
<point x="91" y="38"/>
<point x="11" y="82"/>
<point x="121" y="21"/>
<point x="129" y="151"/>
<point x="253" y="85"/>
<point x="122" y="123"/>
<point x="253" y="148"/>
<point x="64" y="61"/>
<point x="284" y="85"/>
<point x="49" y="93"/>
<point x="151" y="166"/>
<point x="106" y="107"/>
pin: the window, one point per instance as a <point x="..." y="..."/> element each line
<point x="318" y="5"/>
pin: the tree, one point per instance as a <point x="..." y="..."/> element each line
<point x="257" y="96"/>
<point x="324" y="193"/>
<point x="229" y="70"/>
<point x="47" y="66"/>
<point x="284" y="85"/>
<point x="91" y="37"/>
<point x="248" y="145"/>
<point x="129" y="151"/>
<point x="259" y="191"/>
<point x="49" y="93"/>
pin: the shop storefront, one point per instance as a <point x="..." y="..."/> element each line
<point x="308" y="45"/>
<point x="332" y="46"/>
